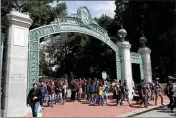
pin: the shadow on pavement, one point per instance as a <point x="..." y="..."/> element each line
<point x="166" y="110"/>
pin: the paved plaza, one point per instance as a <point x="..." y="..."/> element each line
<point x="159" y="112"/>
<point x="82" y="109"/>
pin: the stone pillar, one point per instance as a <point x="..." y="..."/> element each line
<point x="126" y="65"/>
<point x="16" y="64"/>
<point x="145" y="54"/>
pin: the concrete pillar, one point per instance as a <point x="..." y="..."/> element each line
<point x="16" y="64"/>
<point x="126" y="65"/>
<point x="145" y="54"/>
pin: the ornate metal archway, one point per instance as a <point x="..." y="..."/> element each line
<point x="137" y="59"/>
<point x="81" y="22"/>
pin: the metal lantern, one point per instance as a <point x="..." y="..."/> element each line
<point x="18" y="4"/>
<point x="122" y="33"/>
<point x="143" y="40"/>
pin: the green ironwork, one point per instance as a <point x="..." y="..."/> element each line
<point x="81" y="22"/>
<point x="137" y="59"/>
<point x="1" y="51"/>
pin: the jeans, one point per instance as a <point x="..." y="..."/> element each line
<point x="96" y="99"/>
<point x="92" y="98"/>
<point x="123" y="97"/>
<point x="34" y="107"/>
<point x="100" y="99"/>
<point x="51" y="98"/>
<point x="144" y="100"/>
<point x="59" y="96"/>
<point x="64" y="96"/>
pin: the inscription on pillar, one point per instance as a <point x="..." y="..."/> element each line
<point x="19" y="37"/>
<point x="17" y="77"/>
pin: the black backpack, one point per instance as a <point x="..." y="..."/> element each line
<point x="170" y="89"/>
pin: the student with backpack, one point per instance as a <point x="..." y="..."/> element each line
<point x="92" y="93"/>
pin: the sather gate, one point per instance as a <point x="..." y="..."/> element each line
<point x="81" y="22"/>
<point x="21" y="60"/>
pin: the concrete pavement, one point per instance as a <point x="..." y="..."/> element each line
<point x="158" y="112"/>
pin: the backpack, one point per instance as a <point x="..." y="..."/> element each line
<point x="92" y="88"/>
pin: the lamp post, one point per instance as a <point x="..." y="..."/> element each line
<point x="143" y="40"/>
<point x="17" y="5"/>
<point x="122" y="33"/>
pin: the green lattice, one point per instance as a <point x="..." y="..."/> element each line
<point x="81" y="22"/>
<point x="137" y="59"/>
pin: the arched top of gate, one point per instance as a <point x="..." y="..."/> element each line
<point x="81" y="21"/>
<point x="82" y="18"/>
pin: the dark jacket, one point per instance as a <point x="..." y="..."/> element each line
<point x="44" y="90"/>
<point x="34" y="93"/>
<point x="59" y="88"/>
<point x="73" y="87"/>
<point x="92" y="88"/>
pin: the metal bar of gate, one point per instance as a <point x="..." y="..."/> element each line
<point x="1" y="52"/>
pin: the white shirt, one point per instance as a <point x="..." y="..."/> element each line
<point x="65" y="88"/>
<point x="174" y="89"/>
<point x="113" y="84"/>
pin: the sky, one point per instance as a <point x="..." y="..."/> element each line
<point x="97" y="8"/>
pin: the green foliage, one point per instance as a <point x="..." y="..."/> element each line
<point x="157" y="20"/>
<point x="42" y="13"/>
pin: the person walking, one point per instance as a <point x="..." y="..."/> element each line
<point x="105" y="91"/>
<point x="44" y="91"/>
<point x="87" y="90"/>
<point x="34" y="98"/>
<point x="64" y="91"/>
<point x="100" y="94"/>
<point x="144" y="92"/>
<point x="73" y="90"/>
<point x="173" y="105"/>
<point x="125" y="93"/>
<point x="92" y="93"/>
<point x="117" y="93"/>
<point x="51" y="92"/>
<point x="169" y="92"/>
<point x="58" y="91"/>
<point x="158" y="90"/>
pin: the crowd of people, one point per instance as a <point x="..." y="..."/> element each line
<point x="96" y="92"/>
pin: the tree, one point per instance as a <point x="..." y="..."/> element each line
<point x="41" y="12"/>
<point x="55" y="49"/>
<point x="157" y="20"/>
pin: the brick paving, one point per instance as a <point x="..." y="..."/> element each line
<point x="81" y="109"/>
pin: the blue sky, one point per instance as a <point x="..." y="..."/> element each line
<point x="97" y="8"/>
